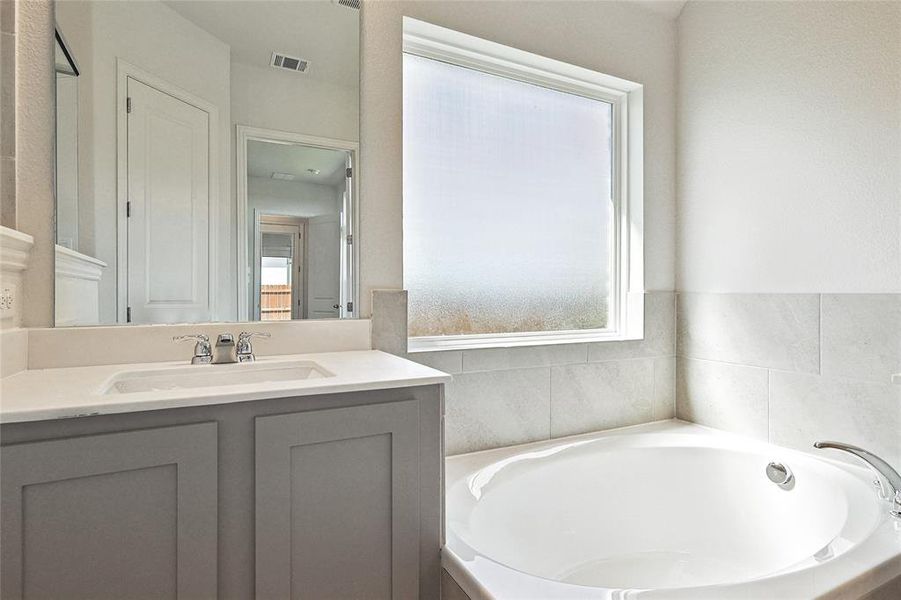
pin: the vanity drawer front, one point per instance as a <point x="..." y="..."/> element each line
<point x="119" y="515"/>
<point x="337" y="503"/>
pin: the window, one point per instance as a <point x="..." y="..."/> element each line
<point x="521" y="196"/>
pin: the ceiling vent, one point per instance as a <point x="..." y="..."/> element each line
<point x="283" y="176"/>
<point x="291" y="63"/>
<point x="354" y="4"/>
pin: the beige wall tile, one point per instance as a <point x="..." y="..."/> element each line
<point x="664" y="405"/>
<point x="861" y="336"/>
<point x="493" y="359"/>
<point x="603" y="395"/>
<point x="496" y="408"/>
<point x="724" y="396"/>
<point x="779" y="331"/>
<point x="808" y="408"/>
<point x="450" y="361"/>
<point x="389" y="321"/>
<point x="659" y="332"/>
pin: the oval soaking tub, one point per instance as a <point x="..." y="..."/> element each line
<point x="666" y="510"/>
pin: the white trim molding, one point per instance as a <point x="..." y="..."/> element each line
<point x="15" y="249"/>
<point x="626" y="314"/>
<point x="245" y="134"/>
<point x="75" y="265"/>
<point x="77" y="288"/>
<point x="15" y="252"/>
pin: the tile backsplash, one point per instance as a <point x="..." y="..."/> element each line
<point x="788" y="368"/>
<point x="504" y="396"/>
<point x="793" y="368"/>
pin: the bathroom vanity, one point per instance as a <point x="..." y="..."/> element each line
<point x="328" y="486"/>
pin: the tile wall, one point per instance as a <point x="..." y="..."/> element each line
<point x="504" y="396"/>
<point x="793" y="368"/>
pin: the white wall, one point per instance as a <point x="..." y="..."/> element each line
<point x="295" y="198"/>
<point x="153" y="37"/>
<point x="273" y="99"/>
<point x="611" y="37"/>
<point x="67" y="210"/>
<point x="789" y="147"/>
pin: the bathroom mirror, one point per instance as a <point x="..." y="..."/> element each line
<point x="205" y="160"/>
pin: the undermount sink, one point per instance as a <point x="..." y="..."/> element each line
<point x="200" y="376"/>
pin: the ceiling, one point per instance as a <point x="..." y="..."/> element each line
<point x="319" y="31"/>
<point x="668" y="8"/>
<point x="265" y="158"/>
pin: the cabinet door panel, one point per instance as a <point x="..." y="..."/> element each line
<point x="337" y="503"/>
<point x="120" y="515"/>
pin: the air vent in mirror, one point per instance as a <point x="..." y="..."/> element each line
<point x="291" y="63"/>
<point x="354" y="4"/>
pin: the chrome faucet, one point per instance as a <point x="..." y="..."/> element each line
<point x="888" y="479"/>
<point x="224" y="351"/>
<point x="245" y="348"/>
<point x="203" y="353"/>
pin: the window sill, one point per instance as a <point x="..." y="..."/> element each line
<point x="416" y="345"/>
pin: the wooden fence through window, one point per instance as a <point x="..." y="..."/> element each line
<point x="275" y="302"/>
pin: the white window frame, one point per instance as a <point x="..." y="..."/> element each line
<point x="626" y="313"/>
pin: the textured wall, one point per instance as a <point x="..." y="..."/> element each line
<point x="8" y="114"/>
<point x="789" y="153"/>
<point x="35" y="146"/>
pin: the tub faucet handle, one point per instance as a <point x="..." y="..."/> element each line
<point x="888" y="479"/>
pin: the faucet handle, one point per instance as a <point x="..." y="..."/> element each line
<point x="203" y="353"/>
<point x="197" y="337"/>
<point x="245" y="348"/>
<point x="245" y="336"/>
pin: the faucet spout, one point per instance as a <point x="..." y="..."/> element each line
<point x="889" y="478"/>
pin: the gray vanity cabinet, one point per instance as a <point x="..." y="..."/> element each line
<point x="328" y="497"/>
<point x="117" y="515"/>
<point x="337" y="503"/>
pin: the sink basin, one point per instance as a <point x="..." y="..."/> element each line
<point x="200" y="376"/>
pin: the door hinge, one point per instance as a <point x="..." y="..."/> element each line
<point x="127" y="209"/>
<point x="350" y="307"/>
<point x="350" y="238"/>
<point x="128" y="105"/>
<point x="349" y="172"/>
<point x="128" y="315"/>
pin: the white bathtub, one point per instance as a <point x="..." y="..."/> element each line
<point x="666" y="510"/>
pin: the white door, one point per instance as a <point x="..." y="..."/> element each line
<point x="323" y="267"/>
<point x="169" y="208"/>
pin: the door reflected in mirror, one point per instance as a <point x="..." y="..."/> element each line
<point x="297" y="198"/>
<point x="205" y="160"/>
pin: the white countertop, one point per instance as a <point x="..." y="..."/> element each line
<point x="42" y="394"/>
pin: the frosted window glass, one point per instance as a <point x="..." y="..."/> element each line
<point x="507" y="204"/>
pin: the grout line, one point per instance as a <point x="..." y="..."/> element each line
<point x="820" y="335"/>
<point x="769" y="432"/>
<point x="550" y="402"/>
<point x="746" y="365"/>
